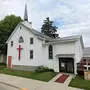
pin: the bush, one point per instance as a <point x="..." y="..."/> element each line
<point x="44" y="69"/>
<point x="2" y="65"/>
<point x="80" y="73"/>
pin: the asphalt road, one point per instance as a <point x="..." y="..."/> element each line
<point x="5" y="87"/>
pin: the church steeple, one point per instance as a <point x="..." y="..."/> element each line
<point x="25" y="13"/>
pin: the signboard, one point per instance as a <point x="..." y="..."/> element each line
<point x="87" y="75"/>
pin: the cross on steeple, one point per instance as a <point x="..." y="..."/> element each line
<point x="25" y="13"/>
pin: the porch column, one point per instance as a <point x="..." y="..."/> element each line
<point x="75" y="67"/>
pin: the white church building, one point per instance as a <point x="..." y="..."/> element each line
<point x="27" y="49"/>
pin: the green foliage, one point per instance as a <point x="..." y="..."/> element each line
<point x="7" y="25"/>
<point x="44" y="76"/>
<point x="44" y="69"/>
<point x="2" y="65"/>
<point x="48" y="28"/>
<point x="79" y="82"/>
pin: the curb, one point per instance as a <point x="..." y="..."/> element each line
<point x="10" y="85"/>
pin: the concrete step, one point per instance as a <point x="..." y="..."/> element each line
<point x="54" y="79"/>
<point x="68" y="80"/>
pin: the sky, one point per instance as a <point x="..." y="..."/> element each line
<point x="72" y="17"/>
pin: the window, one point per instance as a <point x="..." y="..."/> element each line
<point x="31" y="54"/>
<point x="84" y="60"/>
<point x="50" y="51"/>
<point x="31" y="40"/>
<point x="20" y="27"/>
<point x="85" y="68"/>
<point x="11" y="43"/>
<point x="21" y="39"/>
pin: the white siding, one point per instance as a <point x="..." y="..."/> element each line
<point x="61" y="48"/>
<point x="25" y="53"/>
<point x="78" y="51"/>
<point x="40" y="51"/>
<point x="64" y="48"/>
<point x="78" y="54"/>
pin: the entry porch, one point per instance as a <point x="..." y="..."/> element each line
<point x="66" y="63"/>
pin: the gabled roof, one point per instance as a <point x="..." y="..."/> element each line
<point x="29" y="28"/>
<point x="75" y="37"/>
<point x="69" y="39"/>
<point x="44" y="37"/>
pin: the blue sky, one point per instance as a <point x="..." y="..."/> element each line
<point x="71" y="16"/>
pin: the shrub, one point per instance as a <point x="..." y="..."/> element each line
<point x="44" y="69"/>
<point x="51" y="70"/>
<point x="2" y="65"/>
<point x="80" y="73"/>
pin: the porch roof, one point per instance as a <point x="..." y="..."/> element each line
<point x="64" y="55"/>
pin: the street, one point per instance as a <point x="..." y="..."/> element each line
<point x="5" y="87"/>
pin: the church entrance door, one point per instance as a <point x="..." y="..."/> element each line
<point x="9" y="61"/>
<point x="66" y="65"/>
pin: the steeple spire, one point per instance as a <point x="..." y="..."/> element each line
<point x="25" y="13"/>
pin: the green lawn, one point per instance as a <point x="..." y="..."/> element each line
<point x="79" y="82"/>
<point x="44" y="76"/>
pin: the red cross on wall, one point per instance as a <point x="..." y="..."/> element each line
<point x="19" y="52"/>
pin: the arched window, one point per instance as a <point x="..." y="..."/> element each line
<point x="21" y="39"/>
<point x="50" y="51"/>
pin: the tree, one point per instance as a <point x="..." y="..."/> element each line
<point x="48" y="28"/>
<point x="7" y="25"/>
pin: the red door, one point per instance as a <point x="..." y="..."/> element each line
<point x="9" y="61"/>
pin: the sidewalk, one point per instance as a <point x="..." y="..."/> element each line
<point x="19" y="82"/>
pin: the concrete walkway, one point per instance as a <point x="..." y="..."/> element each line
<point x="19" y="83"/>
<point x="67" y="80"/>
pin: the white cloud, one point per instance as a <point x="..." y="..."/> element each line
<point x="72" y="13"/>
<point x="77" y="29"/>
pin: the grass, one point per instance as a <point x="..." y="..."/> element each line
<point x="79" y="82"/>
<point x="44" y="76"/>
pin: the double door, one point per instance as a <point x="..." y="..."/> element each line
<point x="66" y="65"/>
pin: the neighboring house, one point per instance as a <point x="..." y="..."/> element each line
<point x="28" y="49"/>
<point x="84" y="64"/>
<point x="2" y="58"/>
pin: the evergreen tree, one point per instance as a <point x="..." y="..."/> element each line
<point x="48" y="28"/>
